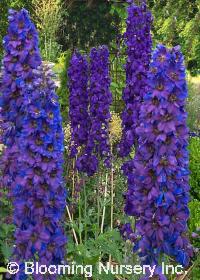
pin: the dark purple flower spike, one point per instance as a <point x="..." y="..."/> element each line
<point x="78" y="102"/>
<point x="139" y="44"/>
<point x="100" y="99"/>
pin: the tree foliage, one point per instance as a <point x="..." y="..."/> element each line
<point x="177" y="23"/>
<point x="47" y="15"/>
<point x="87" y="24"/>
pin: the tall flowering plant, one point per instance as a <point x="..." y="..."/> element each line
<point x="78" y="102"/>
<point x="139" y="44"/>
<point x="32" y="160"/>
<point x="158" y="177"/>
<point x="21" y="57"/>
<point x="100" y="99"/>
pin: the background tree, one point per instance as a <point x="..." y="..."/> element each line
<point x="177" y="23"/>
<point x="86" y="24"/>
<point x="47" y="14"/>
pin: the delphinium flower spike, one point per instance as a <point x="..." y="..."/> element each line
<point x="39" y="195"/>
<point x="32" y="160"/>
<point x="78" y="102"/>
<point x="158" y="184"/>
<point x="100" y="99"/>
<point x="138" y="41"/>
<point x="21" y="57"/>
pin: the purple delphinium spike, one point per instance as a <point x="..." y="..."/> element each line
<point x="139" y="44"/>
<point x="78" y="102"/>
<point x="21" y="57"/>
<point x="32" y="159"/>
<point x="158" y="177"/>
<point x="100" y="99"/>
<point x="38" y="193"/>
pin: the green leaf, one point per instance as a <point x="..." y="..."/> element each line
<point x="2" y="270"/>
<point x="6" y="250"/>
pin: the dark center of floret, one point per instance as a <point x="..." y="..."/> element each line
<point x="161" y="58"/>
<point x="32" y="51"/>
<point x="14" y="75"/>
<point x="46" y="221"/>
<point x="172" y="98"/>
<point x="129" y="111"/>
<point x="30" y="181"/>
<point x="38" y="171"/>
<point x="160" y="87"/>
<point x="155" y="101"/>
<point x="151" y="173"/>
<point x="14" y="59"/>
<point x="174" y="75"/>
<point x="16" y="94"/>
<point x="168" y="140"/>
<point x="22" y="247"/>
<point x="165" y="189"/>
<point x="175" y="218"/>
<point x="46" y="127"/>
<point x="44" y="187"/>
<point x="38" y="141"/>
<point x="25" y="67"/>
<point x="33" y="124"/>
<point x="50" y="147"/>
<point x="34" y="237"/>
<point x="21" y="24"/>
<point x="29" y="36"/>
<point x="50" y="115"/>
<point x="46" y="159"/>
<point x="53" y="173"/>
<point x="145" y="191"/>
<point x="149" y="115"/>
<point x="167" y="117"/>
<point x="20" y="48"/>
<point x="38" y="204"/>
<point x="153" y="70"/>
<point x="164" y="161"/>
<point x="156" y="131"/>
<point x="150" y="148"/>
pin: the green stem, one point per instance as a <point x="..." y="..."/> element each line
<point x="85" y="211"/>
<point x="79" y="218"/>
<point x="71" y="221"/>
<point x="98" y="205"/>
<point x="112" y="199"/>
<point x="104" y="207"/>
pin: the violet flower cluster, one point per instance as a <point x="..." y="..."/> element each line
<point x="139" y="44"/>
<point x="100" y="99"/>
<point x="33" y="157"/>
<point x="78" y="102"/>
<point x="158" y="177"/>
<point x="21" y="57"/>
